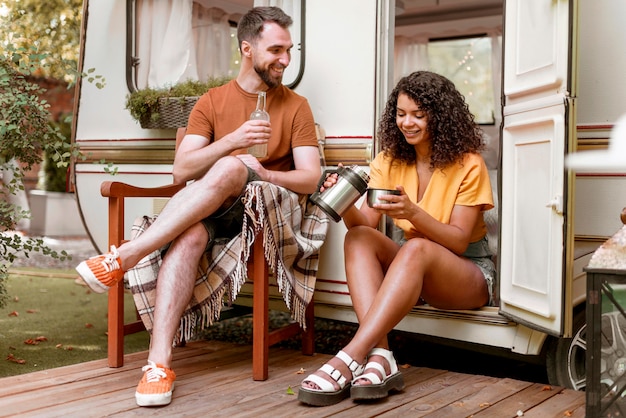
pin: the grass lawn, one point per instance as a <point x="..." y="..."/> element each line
<point x="51" y="321"/>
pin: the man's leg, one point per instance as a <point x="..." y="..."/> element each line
<point x="221" y="185"/>
<point x="225" y="181"/>
<point x="175" y="285"/>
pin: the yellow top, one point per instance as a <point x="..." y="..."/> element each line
<point x="465" y="184"/>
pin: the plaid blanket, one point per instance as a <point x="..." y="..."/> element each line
<point x="293" y="232"/>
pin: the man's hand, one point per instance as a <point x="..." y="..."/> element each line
<point x="254" y="164"/>
<point x="251" y="132"/>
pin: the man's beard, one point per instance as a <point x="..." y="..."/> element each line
<point x="269" y="81"/>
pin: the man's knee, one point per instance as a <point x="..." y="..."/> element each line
<point x="228" y="169"/>
<point x="191" y="242"/>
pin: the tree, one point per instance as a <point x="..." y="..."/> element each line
<point x="25" y="132"/>
<point x="52" y="26"/>
<point x="25" y="129"/>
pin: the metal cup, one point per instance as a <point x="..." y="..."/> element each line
<point x="373" y="194"/>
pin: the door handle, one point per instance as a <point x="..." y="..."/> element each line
<point x="556" y="204"/>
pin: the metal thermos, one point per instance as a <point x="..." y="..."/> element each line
<point x="351" y="184"/>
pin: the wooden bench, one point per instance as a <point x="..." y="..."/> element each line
<point x="258" y="272"/>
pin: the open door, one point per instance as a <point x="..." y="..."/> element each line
<point x="537" y="126"/>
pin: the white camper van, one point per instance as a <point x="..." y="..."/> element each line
<point x="544" y="78"/>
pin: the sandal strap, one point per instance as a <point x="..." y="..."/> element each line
<point x="323" y="384"/>
<point x="354" y="367"/>
<point x="372" y="377"/>
<point x="377" y="366"/>
<point x="334" y="374"/>
<point x="387" y="355"/>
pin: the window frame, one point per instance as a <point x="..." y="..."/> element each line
<point x="132" y="61"/>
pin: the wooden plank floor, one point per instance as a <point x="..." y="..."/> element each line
<point x="214" y="380"/>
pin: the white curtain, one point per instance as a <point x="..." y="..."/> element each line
<point x="178" y="40"/>
<point x="410" y="54"/>
<point x="285" y="5"/>
<point x="211" y="34"/>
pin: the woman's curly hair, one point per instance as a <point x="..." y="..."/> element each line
<point x="451" y="125"/>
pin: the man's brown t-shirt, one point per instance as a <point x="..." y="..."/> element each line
<point x="223" y="109"/>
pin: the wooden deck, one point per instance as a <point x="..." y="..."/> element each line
<point x="214" y="380"/>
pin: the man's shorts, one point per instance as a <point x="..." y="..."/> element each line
<point x="228" y="222"/>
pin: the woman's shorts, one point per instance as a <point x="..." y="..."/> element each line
<point x="478" y="253"/>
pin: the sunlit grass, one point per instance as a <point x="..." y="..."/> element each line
<point x="51" y="321"/>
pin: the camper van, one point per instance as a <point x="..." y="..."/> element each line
<point x="544" y="78"/>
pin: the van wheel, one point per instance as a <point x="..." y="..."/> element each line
<point x="565" y="357"/>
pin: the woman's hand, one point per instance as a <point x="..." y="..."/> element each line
<point x="330" y="180"/>
<point x="396" y="206"/>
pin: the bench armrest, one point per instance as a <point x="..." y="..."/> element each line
<point x="119" y="189"/>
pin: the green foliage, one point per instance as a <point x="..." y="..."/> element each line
<point x="53" y="25"/>
<point x="54" y="177"/>
<point x="22" y="115"/>
<point x="145" y="102"/>
<point x="13" y="244"/>
<point x="25" y="132"/>
<point x="25" y="129"/>
<point x="109" y="167"/>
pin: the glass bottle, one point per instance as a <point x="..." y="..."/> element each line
<point x="259" y="113"/>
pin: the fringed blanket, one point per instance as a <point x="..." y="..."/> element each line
<point x="293" y="232"/>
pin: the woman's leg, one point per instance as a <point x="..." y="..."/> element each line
<point x="368" y="254"/>
<point x="420" y="268"/>
<point x="382" y="298"/>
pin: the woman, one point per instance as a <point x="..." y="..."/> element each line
<point x="430" y="154"/>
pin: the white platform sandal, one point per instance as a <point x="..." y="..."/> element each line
<point x="327" y="394"/>
<point x="379" y="388"/>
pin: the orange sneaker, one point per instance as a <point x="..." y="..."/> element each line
<point x="156" y="386"/>
<point x="102" y="271"/>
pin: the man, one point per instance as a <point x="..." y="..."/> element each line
<point x="213" y="154"/>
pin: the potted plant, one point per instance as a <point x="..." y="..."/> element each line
<point x="168" y="108"/>
<point x="54" y="211"/>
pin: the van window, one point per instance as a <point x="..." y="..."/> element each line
<point x="171" y="41"/>
<point x="468" y="61"/>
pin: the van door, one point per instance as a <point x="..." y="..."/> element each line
<point x="538" y="122"/>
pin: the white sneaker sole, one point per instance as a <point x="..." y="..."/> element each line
<point x="159" y="399"/>
<point x="90" y="279"/>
